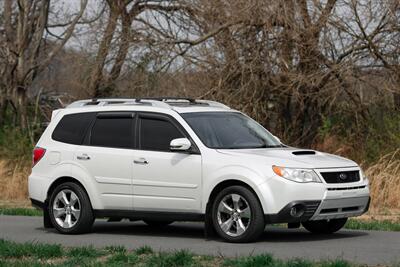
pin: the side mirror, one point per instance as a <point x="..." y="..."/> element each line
<point x="180" y="144"/>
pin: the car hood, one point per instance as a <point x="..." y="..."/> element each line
<point x="291" y="157"/>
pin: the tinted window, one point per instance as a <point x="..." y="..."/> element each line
<point x="72" y="128"/>
<point x="229" y="130"/>
<point x="112" y="132"/>
<point x="156" y="134"/>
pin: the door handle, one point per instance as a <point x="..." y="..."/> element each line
<point x="83" y="157"/>
<point x="141" y="161"/>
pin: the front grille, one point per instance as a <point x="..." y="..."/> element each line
<point x="335" y="210"/>
<point x="341" y="177"/>
<point x="346" y="188"/>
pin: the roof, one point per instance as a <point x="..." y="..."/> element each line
<point x="180" y="105"/>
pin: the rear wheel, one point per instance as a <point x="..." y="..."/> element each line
<point x="157" y="223"/>
<point x="70" y="210"/>
<point x="237" y="215"/>
<point x="325" y="226"/>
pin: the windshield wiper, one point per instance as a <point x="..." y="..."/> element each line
<point x="267" y="146"/>
<point x="250" y="147"/>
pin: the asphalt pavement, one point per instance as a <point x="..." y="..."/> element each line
<point x="365" y="247"/>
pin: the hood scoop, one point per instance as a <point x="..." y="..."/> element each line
<point x="303" y="152"/>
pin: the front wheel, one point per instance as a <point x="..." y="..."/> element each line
<point x="237" y="215"/>
<point x="325" y="226"/>
<point x="70" y="210"/>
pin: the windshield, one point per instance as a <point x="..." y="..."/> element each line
<point x="229" y="130"/>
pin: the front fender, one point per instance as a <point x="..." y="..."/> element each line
<point x="237" y="173"/>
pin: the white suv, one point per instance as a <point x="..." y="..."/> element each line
<point x="173" y="159"/>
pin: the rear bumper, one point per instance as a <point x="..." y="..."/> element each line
<point x="38" y="187"/>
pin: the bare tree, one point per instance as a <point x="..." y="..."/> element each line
<point x="25" y="52"/>
<point x="118" y="36"/>
<point x="289" y="63"/>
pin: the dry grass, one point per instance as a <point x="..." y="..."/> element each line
<point x="14" y="180"/>
<point x="384" y="177"/>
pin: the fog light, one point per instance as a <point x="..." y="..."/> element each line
<point x="297" y="211"/>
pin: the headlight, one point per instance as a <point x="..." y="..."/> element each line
<point x="363" y="176"/>
<point x="297" y="175"/>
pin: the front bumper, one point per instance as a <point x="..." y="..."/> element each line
<point x="316" y="201"/>
<point x="301" y="211"/>
<point x="341" y="208"/>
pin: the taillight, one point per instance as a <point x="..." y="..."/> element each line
<point x="38" y="154"/>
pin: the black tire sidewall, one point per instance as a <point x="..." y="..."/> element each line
<point x="257" y="224"/>
<point x="86" y="218"/>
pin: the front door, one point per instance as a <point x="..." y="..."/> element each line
<point x="164" y="180"/>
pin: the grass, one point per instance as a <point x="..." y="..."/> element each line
<point x="20" y="211"/>
<point x="9" y="249"/>
<point x="144" y="250"/>
<point x="384" y="178"/>
<point x="268" y="260"/>
<point x="178" y="258"/>
<point x="115" y="249"/>
<point x="373" y="225"/>
<point x="35" y="254"/>
<point x="123" y="258"/>
<point x="84" y="252"/>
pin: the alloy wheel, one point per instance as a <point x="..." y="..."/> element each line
<point x="66" y="208"/>
<point x="234" y="215"/>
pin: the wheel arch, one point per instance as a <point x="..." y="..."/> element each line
<point x="61" y="180"/>
<point x="224" y="184"/>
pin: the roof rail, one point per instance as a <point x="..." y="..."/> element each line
<point x="163" y="102"/>
<point x="166" y="99"/>
<point x="213" y="103"/>
<point x="116" y="101"/>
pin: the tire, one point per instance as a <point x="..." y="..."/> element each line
<point x="156" y="223"/>
<point x="241" y="222"/>
<point x="77" y="223"/>
<point x="324" y="226"/>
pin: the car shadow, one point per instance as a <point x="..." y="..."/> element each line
<point x="196" y="231"/>
<point x="181" y="230"/>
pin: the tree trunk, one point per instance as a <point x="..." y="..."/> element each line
<point x="21" y="102"/>
<point x="3" y="109"/>
<point x="97" y="73"/>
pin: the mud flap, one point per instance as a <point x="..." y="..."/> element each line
<point x="209" y="231"/>
<point x="46" y="218"/>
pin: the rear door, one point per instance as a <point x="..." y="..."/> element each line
<point x="107" y="156"/>
<point x="164" y="180"/>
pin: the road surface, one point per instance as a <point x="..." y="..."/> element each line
<point x="365" y="247"/>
